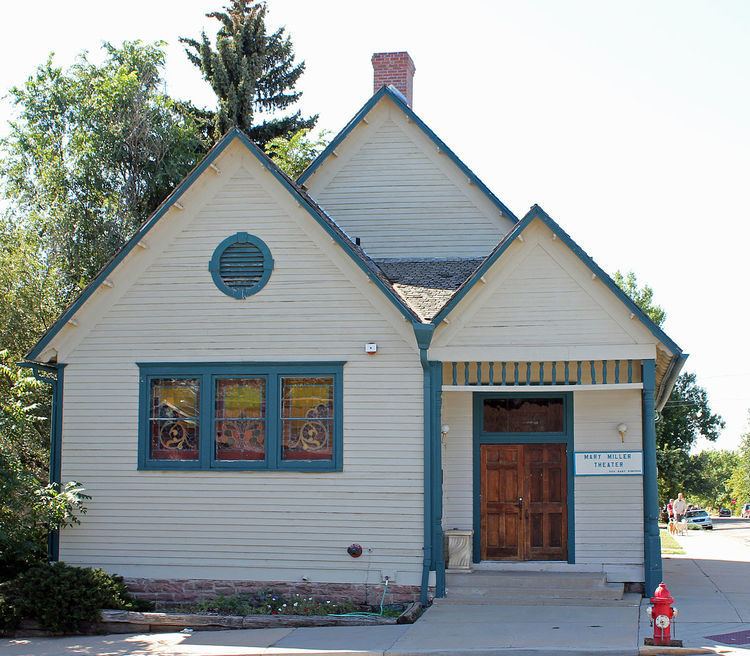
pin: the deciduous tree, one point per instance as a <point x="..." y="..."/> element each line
<point x="687" y="414"/>
<point x="92" y="152"/>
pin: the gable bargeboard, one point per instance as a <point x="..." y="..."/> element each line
<point x="389" y="185"/>
<point x="317" y="305"/>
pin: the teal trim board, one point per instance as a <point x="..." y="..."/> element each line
<point x="206" y="375"/>
<point x="400" y="102"/>
<point x="651" y="541"/>
<point x="304" y="201"/>
<point x="53" y="375"/>
<point x="566" y="436"/>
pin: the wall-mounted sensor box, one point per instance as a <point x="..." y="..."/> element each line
<point x="371" y="348"/>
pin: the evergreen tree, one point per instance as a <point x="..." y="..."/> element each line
<point x="251" y="72"/>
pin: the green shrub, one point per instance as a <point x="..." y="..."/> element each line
<point x="61" y="598"/>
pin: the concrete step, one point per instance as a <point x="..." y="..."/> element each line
<point x="629" y="599"/>
<point x="611" y="591"/>
<point x="527" y="580"/>
<point x="486" y="587"/>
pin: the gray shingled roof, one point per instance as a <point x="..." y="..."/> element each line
<point x="427" y="284"/>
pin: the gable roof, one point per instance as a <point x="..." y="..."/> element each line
<point x="359" y="257"/>
<point x="537" y="212"/>
<point x="393" y="94"/>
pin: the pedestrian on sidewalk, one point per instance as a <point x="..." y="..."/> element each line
<point x="679" y="507"/>
<point x="670" y="510"/>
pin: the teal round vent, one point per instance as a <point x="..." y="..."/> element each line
<point x="241" y="265"/>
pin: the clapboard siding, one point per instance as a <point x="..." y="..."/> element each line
<point x="609" y="509"/>
<point x="458" y="458"/>
<point x="246" y="525"/>
<point x="390" y="187"/>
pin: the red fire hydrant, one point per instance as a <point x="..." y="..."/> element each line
<point x="662" y="613"/>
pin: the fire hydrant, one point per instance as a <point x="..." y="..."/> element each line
<point x="662" y="614"/>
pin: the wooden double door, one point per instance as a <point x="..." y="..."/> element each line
<point x="523" y="502"/>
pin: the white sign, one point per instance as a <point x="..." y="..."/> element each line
<point x="608" y="463"/>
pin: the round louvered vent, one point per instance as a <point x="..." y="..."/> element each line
<point x="241" y="265"/>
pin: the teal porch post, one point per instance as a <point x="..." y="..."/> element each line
<point x="651" y="541"/>
<point x="438" y="558"/>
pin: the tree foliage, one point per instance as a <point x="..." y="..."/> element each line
<point x="294" y="154"/>
<point x="643" y="297"/>
<point x="92" y="152"/>
<point x="709" y="478"/>
<point x="251" y="72"/>
<point x="739" y="482"/>
<point x="686" y="416"/>
<point x="29" y="506"/>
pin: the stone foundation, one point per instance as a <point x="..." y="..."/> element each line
<point x="174" y="592"/>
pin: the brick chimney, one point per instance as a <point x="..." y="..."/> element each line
<point x="397" y="69"/>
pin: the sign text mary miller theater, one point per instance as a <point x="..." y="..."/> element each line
<point x="608" y="463"/>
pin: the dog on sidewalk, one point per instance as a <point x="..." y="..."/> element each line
<point x="677" y="528"/>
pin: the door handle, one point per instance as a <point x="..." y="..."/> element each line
<point x="520" y="502"/>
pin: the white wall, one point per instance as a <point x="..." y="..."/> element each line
<point x="608" y="510"/>
<point x="317" y="306"/>
<point x="390" y="186"/>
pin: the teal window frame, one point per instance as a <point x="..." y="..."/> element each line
<point x="207" y="373"/>
<point x="214" y="265"/>
<point x="480" y="437"/>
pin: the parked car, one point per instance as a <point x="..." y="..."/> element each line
<point x="725" y="512"/>
<point x="699" y="518"/>
<point x="746" y="511"/>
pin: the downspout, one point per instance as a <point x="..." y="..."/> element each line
<point x="423" y="333"/>
<point x="52" y="375"/>
<point x="651" y="541"/>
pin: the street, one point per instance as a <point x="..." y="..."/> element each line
<point x="711" y="587"/>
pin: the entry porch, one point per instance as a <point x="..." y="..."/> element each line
<point x="544" y="466"/>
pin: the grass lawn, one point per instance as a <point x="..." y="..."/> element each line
<point x="669" y="545"/>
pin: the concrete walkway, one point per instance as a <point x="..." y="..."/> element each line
<point x="444" y="630"/>
<point x="711" y="587"/>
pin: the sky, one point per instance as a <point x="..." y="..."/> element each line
<point x="628" y="121"/>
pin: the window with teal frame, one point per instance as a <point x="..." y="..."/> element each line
<point x="246" y="416"/>
<point x="241" y="265"/>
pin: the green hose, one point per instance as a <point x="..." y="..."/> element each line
<point x="363" y="613"/>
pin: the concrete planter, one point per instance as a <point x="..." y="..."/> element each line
<point x="459" y="550"/>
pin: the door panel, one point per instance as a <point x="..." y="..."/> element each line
<point x="523" y="502"/>
<point x="545" y="501"/>
<point x="501" y="487"/>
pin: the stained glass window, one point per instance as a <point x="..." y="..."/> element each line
<point x="241" y="416"/>
<point x="307" y="418"/>
<point x="240" y="419"/>
<point x="523" y="415"/>
<point x="174" y="418"/>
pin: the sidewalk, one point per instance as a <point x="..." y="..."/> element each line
<point x="445" y="630"/>
<point x="711" y="587"/>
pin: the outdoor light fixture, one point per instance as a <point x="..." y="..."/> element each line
<point x="622" y="429"/>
